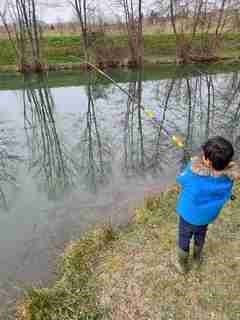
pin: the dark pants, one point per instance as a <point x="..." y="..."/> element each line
<point x="187" y="231"/>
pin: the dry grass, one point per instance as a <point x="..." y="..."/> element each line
<point x="73" y="296"/>
<point x="133" y="277"/>
<point x="137" y="279"/>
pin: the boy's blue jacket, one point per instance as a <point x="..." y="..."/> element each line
<point x="203" y="195"/>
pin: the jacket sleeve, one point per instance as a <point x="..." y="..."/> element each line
<point x="184" y="177"/>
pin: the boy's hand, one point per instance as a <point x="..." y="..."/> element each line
<point x="175" y="188"/>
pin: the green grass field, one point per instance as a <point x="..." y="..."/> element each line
<point x="158" y="47"/>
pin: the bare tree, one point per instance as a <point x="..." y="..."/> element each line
<point x="198" y="26"/>
<point x="24" y="31"/>
<point x="81" y="9"/>
<point x="97" y="47"/>
<point x="134" y="24"/>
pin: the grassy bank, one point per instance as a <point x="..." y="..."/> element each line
<point x="158" y="48"/>
<point x="129" y="274"/>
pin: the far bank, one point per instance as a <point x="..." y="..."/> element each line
<point x="66" y="52"/>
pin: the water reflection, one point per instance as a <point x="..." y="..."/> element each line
<point x="208" y="105"/>
<point x="229" y="98"/>
<point x="133" y="138"/>
<point x="161" y="143"/>
<point x="93" y="150"/>
<point x="194" y="107"/>
<point x="8" y="165"/>
<point x="49" y="159"/>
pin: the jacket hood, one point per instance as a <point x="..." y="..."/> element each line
<point x="232" y="171"/>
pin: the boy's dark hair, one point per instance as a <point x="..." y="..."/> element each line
<point x="219" y="151"/>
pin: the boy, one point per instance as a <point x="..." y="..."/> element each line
<point x="206" y="185"/>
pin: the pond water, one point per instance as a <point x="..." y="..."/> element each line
<point x="76" y="150"/>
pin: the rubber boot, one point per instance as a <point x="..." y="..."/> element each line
<point x="182" y="263"/>
<point x="197" y="255"/>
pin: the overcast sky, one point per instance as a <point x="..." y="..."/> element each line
<point x="63" y="10"/>
<point x="60" y="10"/>
<point x="54" y="11"/>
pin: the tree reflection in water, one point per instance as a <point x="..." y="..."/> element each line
<point x="145" y="138"/>
<point x="94" y="147"/>
<point x="49" y="160"/>
<point x="133" y="138"/>
<point x="211" y="105"/>
<point x="8" y="165"/>
<point x="229" y="100"/>
<point x="194" y="107"/>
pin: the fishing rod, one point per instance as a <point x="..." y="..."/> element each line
<point x="178" y="141"/>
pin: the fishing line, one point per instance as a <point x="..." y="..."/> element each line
<point x="178" y="141"/>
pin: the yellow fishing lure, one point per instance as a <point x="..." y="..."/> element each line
<point x="177" y="141"/>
